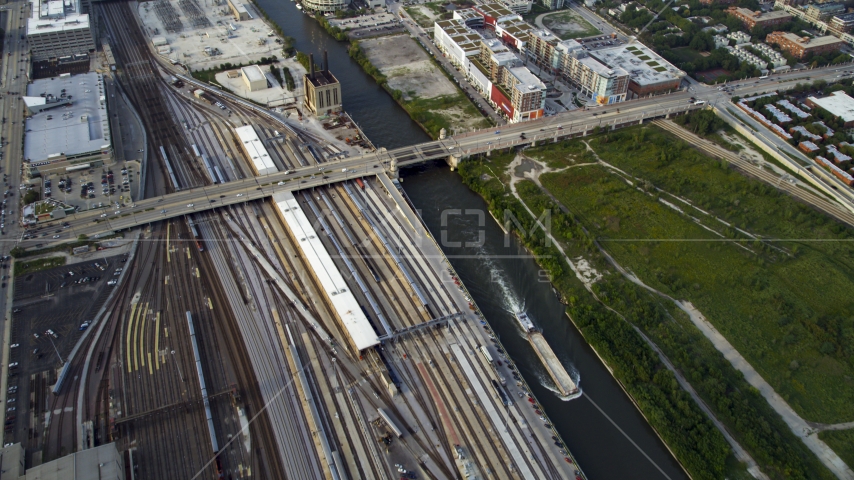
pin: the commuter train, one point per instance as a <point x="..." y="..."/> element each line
<point x="485" y="353"/>
<point x="196" y="236"/>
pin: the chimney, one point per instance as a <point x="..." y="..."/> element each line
<point x="325" y="61"/>
<point x="311" y="66"/>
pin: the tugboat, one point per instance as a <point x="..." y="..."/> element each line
<point x="525" y="322"/>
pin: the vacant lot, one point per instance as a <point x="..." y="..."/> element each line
<point x="764" y="296"/>
<point x="428" y="95"/>
<point x="425" y="14"/>
<point x="568" y="24"/>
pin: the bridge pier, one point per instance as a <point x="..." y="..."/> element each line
<point x="453" y="161"/>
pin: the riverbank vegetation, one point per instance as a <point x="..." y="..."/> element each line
<point x="442" y="105"/>
<point x="642" y="233"/>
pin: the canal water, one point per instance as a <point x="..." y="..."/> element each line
<point x="603" y="429"/>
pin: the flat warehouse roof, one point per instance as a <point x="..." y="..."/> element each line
<point x="81" y="127"/>
<point x="255" y="149"/>
<point x="253" y="73"/>
<point x="337" y="292"/>
<point x="838" y="103"/>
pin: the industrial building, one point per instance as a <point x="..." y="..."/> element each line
<point x="56" y="31"/>
<point x="347" y="311"/>
<point x="765" y="20"/>
<point x="68" y="127"/>
<point x="254" y="78"/>
<point x="239" y="10"/>
<point x="103" y="462"/>
<point x="322" y="90"/>
<point x="799" y="47"/>
<point x="255" y="151"/>
<point x="839" y="104"/>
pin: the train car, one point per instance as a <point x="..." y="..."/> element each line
<point x="219" y="174"/>
<point x="196" y="150"/>
<point x="392" y="422"/>
<point x="360" y="183"/>
<point x="485" y="353"/>
<point x="196" y="235"/>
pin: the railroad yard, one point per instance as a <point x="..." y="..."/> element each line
<point x="315" y="334"/>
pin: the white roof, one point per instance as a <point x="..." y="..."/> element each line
<point x="253" y="73"/>
<point x="337" y="292"/>
<point x="527" y="79"/>
<point x="645" y="66"/>
<point x="838" y="103"/>
<point x="79" y="128"/>
<point x="255" y="149"/>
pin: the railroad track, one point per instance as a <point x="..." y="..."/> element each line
<point x="710" y="148"/>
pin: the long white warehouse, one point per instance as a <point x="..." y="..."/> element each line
<point x="347" y="309"/>
<point x="253" y="147"/>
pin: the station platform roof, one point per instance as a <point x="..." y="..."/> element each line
<point x="361" y="333"/>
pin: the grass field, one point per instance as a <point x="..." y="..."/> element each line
<point x="605" y="319"/>
<point x="567" y="24"/>
<point x="24" y="267"/>
<point x="784" y="304"/>
<point x="686" y="54"/>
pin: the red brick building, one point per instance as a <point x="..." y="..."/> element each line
<point x="764" y="20"/>
<point x="799" y="47"/>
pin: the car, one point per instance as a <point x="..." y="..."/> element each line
<point x="13" y="388"/>
<point x="280" y="183"/>
<point x="103" y="215"/>
<point x="36" y="335"/>
<point x="112" y="282"/>
<point x="16" y="310"/>
<point x="497" y="132"/>
<point x="84" y="326"/>
<point x="13" y="365"/>
<point x="11" y="400"/>
<point x="239" y="194"/>
<point x="57" y="236"/>
<point x="15" y="345"/>
<point x="10" y="409"/>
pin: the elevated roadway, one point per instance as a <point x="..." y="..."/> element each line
<point x="565" y="125"/>
<point x="103" y="221"/>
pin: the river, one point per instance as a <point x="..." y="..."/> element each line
<point x="603" y="429"/>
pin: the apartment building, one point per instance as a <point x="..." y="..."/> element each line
<point x="751" y="19"/>
<point x="823" y="12"/>
<point x="799" y="47"/>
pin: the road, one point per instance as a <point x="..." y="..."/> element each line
<point x="564" y="125"/>
<point x="11" y="79"/>
<point x="93" y="222"/>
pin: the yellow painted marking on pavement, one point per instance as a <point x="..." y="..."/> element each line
<point x="150" y="371"/>
<point x="130" y="329"/>
<point x="168" y="225"/>
<point x="210" y="304"/>
<point x="142" y="339"/>
<point x="157" y="336"/>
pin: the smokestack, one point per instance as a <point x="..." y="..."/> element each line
<point x="325" y="62"/>
<point x="311" y="66"/>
